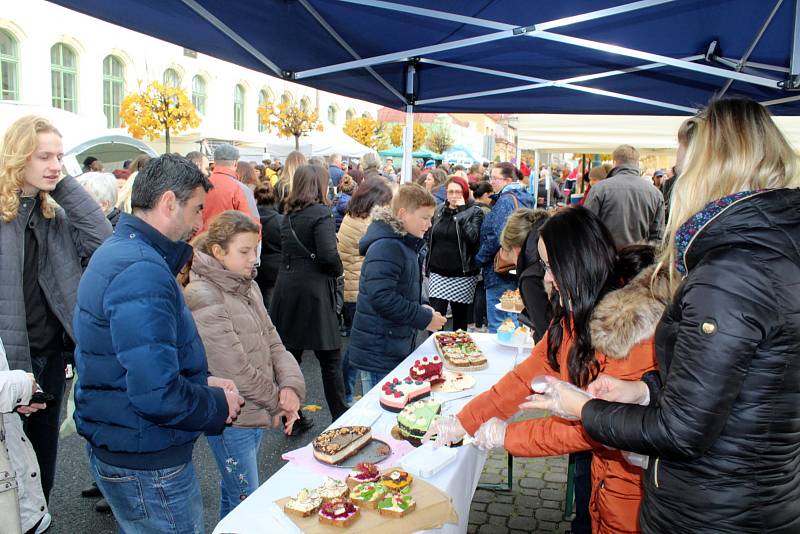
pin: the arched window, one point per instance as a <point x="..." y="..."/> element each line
<point x="113" y="89"/>
<point x="305" y="104"/>
<point x="9" y="65"/>
<point x="366" y="115"/>
<point x="350" y="114"/>
<point x="171" y="77"/>
<point x="333" y="111"/>
<point x="264" y="96"/>
<point x="286" y="98"/>
<point x="238" y="108"/>
<point x="63" y="77"/>
<point x="199" y="94"/>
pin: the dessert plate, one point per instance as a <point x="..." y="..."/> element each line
<point x="500" y="307"/>
<point x="373" y="452"/>
<point x="528" y="344"/>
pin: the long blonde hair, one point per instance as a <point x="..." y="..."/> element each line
<point x="294" y="161"/>
<point x="733" y="145"/>
<point x="19" y="143"/>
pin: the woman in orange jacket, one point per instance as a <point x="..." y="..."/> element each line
<point x="597" y="327"/>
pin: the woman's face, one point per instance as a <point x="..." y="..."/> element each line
<point x="429" y="181"/>
<point x="240" y="258"/>
<point x="43" y="169"/>
<point x="548" y="273"/>
<point x="455" y="195"/>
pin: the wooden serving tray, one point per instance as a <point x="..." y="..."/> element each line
<point x="449" y="365"/>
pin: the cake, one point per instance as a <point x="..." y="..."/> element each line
<point x="416" y="418"/>
<point x="397" y="504"/>
<point x="459" y="351"/>
<point x="364" y="472"/>
<point x="505" y="332"/>
<point x="396" y="479"/>
<point x="304" y="504"/>
<point x="335" y="445"/>
<point x="429" y="369"/>
<point x="455" y="381"/>
<point x="368" y="494"/>
<point x="512" y="301"/>
<point x="340" y="514"/>
<point x="395" y="394"/>
<point x="332" y="490"/>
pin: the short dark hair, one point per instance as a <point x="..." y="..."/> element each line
<point x="480" y="189"/>
<point x="309" y="187"/>
<point x="195" y="157"/>
<point x="372" y="192"/>
<point x="507" y="170"/>
<point x="265" y="194"/>
<point x="170" y="172"/>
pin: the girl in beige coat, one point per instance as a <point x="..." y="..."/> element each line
<point x="241" y="344"/>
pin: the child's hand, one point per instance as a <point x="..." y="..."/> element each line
<point x="437" y="322"/>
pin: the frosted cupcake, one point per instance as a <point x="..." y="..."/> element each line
<point x="505" y="331"/>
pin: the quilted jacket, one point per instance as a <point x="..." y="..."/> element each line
<point x="350" y="233"/>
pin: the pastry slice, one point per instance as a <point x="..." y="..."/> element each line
<point x="332" y="490"/>
<point x="340" y="514"/>
<point x="396" y="479"/>
<point x="368" y="494"/>
<point x="364" y="472"/>
<point x="304" y="504"/>
<point x="397" y="504"/>
<point x="337" y="444"/>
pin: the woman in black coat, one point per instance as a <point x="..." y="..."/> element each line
<point x="720" y="420"/>
<point x="304" y="303"/>
<point x="271" y="222"/>
<point x="454" y="239"/>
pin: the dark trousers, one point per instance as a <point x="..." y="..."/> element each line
<point x="582" y="524"/>
<point x="479" y="305"/>
<point x="348" y="312"/>
<point x="267" y="289"/>
<point x="460" y="312"/>
<point x="330" y="363"/>
<point x="42" y="427"/>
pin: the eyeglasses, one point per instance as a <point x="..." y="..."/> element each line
<point x="545" y="266"/>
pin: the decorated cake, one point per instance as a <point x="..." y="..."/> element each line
<point x="416" y="418"/>
<point x="396" y="393"/>
<point x="429" y="369"/>
<point x="338" y="513"/>
<point x="396" y="479"/>
<point x="455" y="381"/>
<point x="459" y="351"/>
<point x="397" y="504"/>
<point x="512" y="301"/>
<point x="505" y="332"/>
<point x="304" y="504"/>
<point x="337" y="444"/>
<point x="332" y="490"/>
<point x="364" y="472"/>
<point x="368" y="494"/>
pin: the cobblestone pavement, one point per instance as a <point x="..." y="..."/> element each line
<point x="535" y="503"/>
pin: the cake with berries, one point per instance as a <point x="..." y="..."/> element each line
<point x="397" y="504"/>
<point x="337" y="444"/>
<point x="364" y="472"/>
<point x="368" y="494"/>
<point x="429" y="369"/>
<point x="340" y="514"/>
<point x="396" y="393"/>
<point x="459" y="351"/>
<point x="416" y="418"/>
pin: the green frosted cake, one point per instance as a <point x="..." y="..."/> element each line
<point x="415" y="419"/>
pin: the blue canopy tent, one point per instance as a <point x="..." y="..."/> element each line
<point x="655" y="57"/>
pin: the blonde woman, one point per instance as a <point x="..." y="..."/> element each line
<point x="720" y="418"/>
<point x="283" y="187"/>
<point x="41" y="249"/>
<point x="124" y="196"/>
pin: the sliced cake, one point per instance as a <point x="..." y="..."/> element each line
<point x="337" y="444"/>
<point x="429" y="369"/>
<point x="304" y="504"/>
<point x="368" y="494"/>
<point x="340" y="514"/>
<point x="395" y="394"/>
<point x="416" y="418"/>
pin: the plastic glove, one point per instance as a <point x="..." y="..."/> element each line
<point x="491" y="434"/>
<point x="634" y="458"/>
<point x="448" y="430"/>
<point x="556" y="396"/>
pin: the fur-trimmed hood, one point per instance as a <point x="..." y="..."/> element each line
<point x="384" y="214"/>
<point x="385" y="225"/>
<point x="629" y="315"/>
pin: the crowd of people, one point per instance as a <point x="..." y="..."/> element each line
<point x="664" y="309"/>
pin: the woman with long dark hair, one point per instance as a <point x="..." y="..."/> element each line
<point x="602" y="322"/>
<point x="304" y="302"/>
<point x="271" y="222"/>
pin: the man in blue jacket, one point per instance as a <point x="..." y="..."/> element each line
<point x="509" y="195"/>
<point x="143" y="394"/>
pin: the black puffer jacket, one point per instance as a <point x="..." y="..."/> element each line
<point x="723" y="432"/>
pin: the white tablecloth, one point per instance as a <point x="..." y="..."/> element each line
<point x="258" y="513"/>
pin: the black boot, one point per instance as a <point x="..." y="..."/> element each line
<point x="91" y="491"/>
<point x="102" y="506"/>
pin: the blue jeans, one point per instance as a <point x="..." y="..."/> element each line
<point x="350" y="375"/>
<point x="493" y="294"/>
<point x="143" y="502"/>
<point x="370" y="379"/>
<point x="236" y="453"/>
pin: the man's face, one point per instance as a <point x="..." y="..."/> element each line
<point x="187" y="219"/>
<point x="497" y="180"/>
<point x="43" y="169"/>
<point x="416" y="222"/>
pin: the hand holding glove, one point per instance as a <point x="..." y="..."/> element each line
<point x="491" y="434"/>
<point x="448" y="430"/>
<point x="556" y="396"/>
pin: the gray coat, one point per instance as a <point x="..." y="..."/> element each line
<point x="630" y="206"/>
<point x="77" y="229"/>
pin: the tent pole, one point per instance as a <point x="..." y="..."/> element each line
<point x="793" y="80"/>
<point x="408" y="133"/>
<point x="535" y="180"/>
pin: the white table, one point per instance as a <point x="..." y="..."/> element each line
<point x="458" y="479"/>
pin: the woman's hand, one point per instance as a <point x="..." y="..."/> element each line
<point x="613" y="389"/>
<point x="491" y="434"/>
<point x="556" y="396"/>
<point x="448" y="430"/>
<point x="289" y="401"/>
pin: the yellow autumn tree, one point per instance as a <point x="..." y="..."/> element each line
<point x="158" y="109"/>
<point x="417" y="141"/>
<point x="366" y="131"/>
<point x="288" y="120"/>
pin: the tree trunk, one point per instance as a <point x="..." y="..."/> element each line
<point x="297" y="142"/>
<point x="166" y="140"/>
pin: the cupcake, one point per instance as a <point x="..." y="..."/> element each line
<point x="507" y="300"/>
<point x="522" y="336"/>
<point x="505" y="331"/>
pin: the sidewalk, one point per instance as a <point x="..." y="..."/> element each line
<point x="535" y="504"/>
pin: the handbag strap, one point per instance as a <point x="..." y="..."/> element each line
<point x="310" y="254"/>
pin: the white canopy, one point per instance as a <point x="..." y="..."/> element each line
<point x="330" y="141"/>
<point x="603" y="133"/>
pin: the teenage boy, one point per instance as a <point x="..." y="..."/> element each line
<point x="390" y="309"/>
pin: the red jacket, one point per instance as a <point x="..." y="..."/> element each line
<point x="623" y="325"/>
<point x="226" y="195"/>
